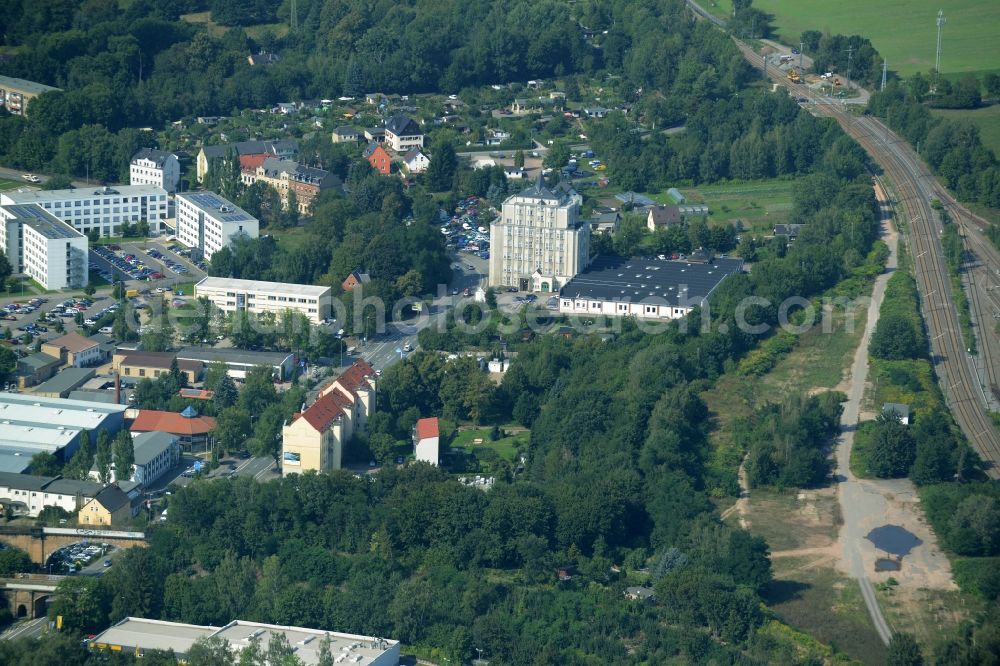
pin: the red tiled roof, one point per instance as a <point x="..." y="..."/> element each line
<point x="427" y="428"/>
<point x="149" y="420"/>
<point x="355" y="377"/>
<point x="251" y="162"/>
<point x="322" y="413"/>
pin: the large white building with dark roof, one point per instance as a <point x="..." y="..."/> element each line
<point x="539" y="241"/>
<point x="135" y="635"/>
<point x="155" y="167"/>
<point x="101" y="209"/>
<point x="644" y="287"/>
<point x="43" y="247"/>
<point x="208" y="222"/>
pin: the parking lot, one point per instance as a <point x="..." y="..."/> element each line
<point x="150" y="262"/>
<point x="464" y="229"/>
<point x="80" y="558"/>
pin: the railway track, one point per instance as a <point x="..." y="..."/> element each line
<point x="957" y="371"/>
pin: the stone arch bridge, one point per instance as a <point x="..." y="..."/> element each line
<point x="40" y="542"/>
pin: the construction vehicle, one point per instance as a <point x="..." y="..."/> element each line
<point x="793" y="76"/>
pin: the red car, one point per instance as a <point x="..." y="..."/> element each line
<point x="155" y="275"/>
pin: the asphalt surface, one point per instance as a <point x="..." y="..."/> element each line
<point x="25" y="629"/>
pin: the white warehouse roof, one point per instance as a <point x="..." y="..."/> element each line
<point x="262" y="286"/>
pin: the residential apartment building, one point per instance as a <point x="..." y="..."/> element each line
<point x="402" y="133"/>
<point x="43" y="247"/>
<point x="155" y="167"/>
<point x="103" y="210"/>
<point x="207" y="222"/>
<point x="288" y="176"/>
<point x="155" y="453"/>
<point x="25" y="494"/>
<point x="257" y="296"/>
<point x="281" y="148"/>
<point x="539" y="243"/>
<point x="315" y="438"/>
<point x="15" y="94"/>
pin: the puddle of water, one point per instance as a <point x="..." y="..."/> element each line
<point x="893" y="539"/>
<point x="883" y="564"/>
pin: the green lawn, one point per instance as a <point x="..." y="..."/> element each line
<point x="6" y="184"/>
<point x="904" y="31"/>
<point x="987" y="119"/>
<point x="505" y="447"/>
<point x="759" y="204"/>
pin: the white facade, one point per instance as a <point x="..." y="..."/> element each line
<point x="28" y="495"/>
<point x="539" y="243"/>
<point x="641" y="310"/>
<point x="231" y="295"/>
<point x="155" y="454"/>
<point x="102" y="209"/>
<point x="155" y="167"/>
<point x="44" y="248"/>
<point x="208" y="222"/>
<point x="427" y="450"/>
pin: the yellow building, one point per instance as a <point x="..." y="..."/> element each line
<point x="143" y="364"/>
<point x="315" y="438"/>
<point x="111" y="506"/>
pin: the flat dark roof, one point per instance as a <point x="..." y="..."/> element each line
<point x="636" y="279"/>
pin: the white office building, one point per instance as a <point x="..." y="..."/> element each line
<point x="231" y="295"/>
<point x="103" y="209"/>
<point x="539" y="243"/>
<point x="155" y="167"/>
<point x="207" y="222"/>
<point x="155" y="454"/>
<point x="41" y="246"/>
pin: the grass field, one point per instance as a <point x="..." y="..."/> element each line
<point x="253" y="31"/>
<point x="987" y="119"/>
<point x="904" y="31"/>
<point x="758" y="204"/>
<point x="6" y="184"/>
<point x="505" y="447"/>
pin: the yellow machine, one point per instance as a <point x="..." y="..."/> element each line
<point x="793" y="76"/>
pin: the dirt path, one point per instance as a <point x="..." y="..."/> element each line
<point x="742" y="505"/>
<point x="867" y="504"/>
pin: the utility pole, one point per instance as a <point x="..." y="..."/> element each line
<point x="850" y="57"/>
<point x="802" y="47"/>
<point x="941" y="20"/>
<point x="885" y="67"/>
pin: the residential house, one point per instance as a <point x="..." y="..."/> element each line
<point x="415" y="161"/>
<point x="249" y="164"/>
<point x="605" y="220"/>
<point x="379" y="158"/>
<point x="280" y="148"/>
<point x="402" y="133"/>
<point x="155" y="167"/>
<point x="426" y="441"/>
<point x="111" y="506"/>
<point x="494" y="137"/>
<point x="73" y="349"/>
<point x="263" y="58"/>
<point x="314" y="439"/>
<point x="345" y="134"/>
<point x="663" y="217"/>
<point x="789" y="231"/>
<point x="355" y="278"/>
<point x="284" y="108"/>
<point x="375" y="135"/>
<point x="595" y="112"/>
<point x="638" y="593"/>
<point x="192" y="431"/>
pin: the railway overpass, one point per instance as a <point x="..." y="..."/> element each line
<point x="28" y="594"/>
<point x="40" y="542"/>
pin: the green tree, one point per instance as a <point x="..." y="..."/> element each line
<point x="226" y="393"/>
<point x="14" y="561"/>
<point x="58" y="182"/>
<point x="557" y="156"/>
<point x="124" y="456"/>
<point x="519" y="158"/>
<point x="44" y="463"/>
<point x="895" y="338"/>
<point x="82" y="602"/>
<point x="904" y="651"/>
<point x="81" y="462"/>
<point x="893" y="449"/>
<point x="440" y="174"/>
<point x="233" y="429"/>
<point x="103" y="457"/>
<point x="8" y="361"/>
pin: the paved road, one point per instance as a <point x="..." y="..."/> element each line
<point x="16" y="174"/>
<point x="25" y="629"/>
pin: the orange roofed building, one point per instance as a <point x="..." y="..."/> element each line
<point x="379" y="158"/>
<point x="426" y="440"/>
<point x="189" y="428"/>
<point x="314" y="439"/>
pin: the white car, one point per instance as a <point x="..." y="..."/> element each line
<point x="407" y="347"/>
<point x="34" y="179"/>
<point x="27" y="176"/>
